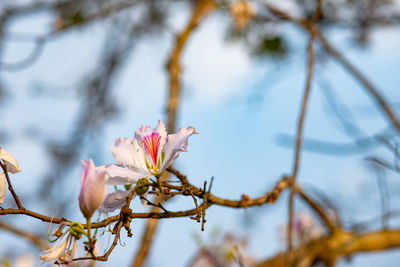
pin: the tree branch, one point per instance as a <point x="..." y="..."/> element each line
<point x="340" y="244"/>
<point x="34" y="239"/>
<point x="299" y="137"/>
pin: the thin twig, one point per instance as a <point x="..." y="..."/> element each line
<point x="203" y="211"/>
<point x="154" y="205"/>
<point x="198" y="216"/>
<point x="299" y="136"/>
<point x="270" y="197"/>
<point x="317" y="208"/>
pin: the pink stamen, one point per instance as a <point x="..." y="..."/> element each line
<point x="152" y="144"/>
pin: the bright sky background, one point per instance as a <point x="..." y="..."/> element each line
<point x="237" y="143"/>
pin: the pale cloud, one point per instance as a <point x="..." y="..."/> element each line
<point x="214" y="70"/>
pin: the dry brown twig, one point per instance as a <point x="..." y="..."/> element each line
<point x="299" y="136"/>
<point x="126" y="214"/>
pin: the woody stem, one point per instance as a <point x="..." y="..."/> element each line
<point x="159" y="184"/>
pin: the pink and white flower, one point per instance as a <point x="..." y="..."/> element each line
<point x="10" y="161"/>
<point x="148" y="154"/>
<point x="93" y="188"/>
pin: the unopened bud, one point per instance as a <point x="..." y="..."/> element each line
<point x="76" y="230"/>
<point x="142" y="190"/>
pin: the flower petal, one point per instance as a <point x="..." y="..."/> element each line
<point x="142" y="132"/>
<point x="10" y="162"/>
<point x="120" y="175"/>
<point x="128" y="152"/>
<point x="93" y="189"/>
<point x="176" y="143"/>
<point x="3" y="187"/>
<point x="54" y="252"/>
<point x="68" y="254"/>
<point x="114" y="201"/>
<point x="72" y="252"/>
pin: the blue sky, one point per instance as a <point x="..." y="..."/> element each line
<point x="237" y="143"/>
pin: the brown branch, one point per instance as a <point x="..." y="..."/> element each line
<point x="203" y="8"/>
<point x="340" y="244"/>
<point x="318" y="209"/>
<point x="299" y="136"/>
<point x="44" y="218"/>
<point x="126" y="215"/>
<point x="117" y="228"/>
<point x="286" y="16"/>
<point x="270" y="197"/>
<point x="179" y="175"/>
<point x="152" y="204"/>
<point x="34" y="239"/>
<point x="33" y="214"/>
<point x="198" y="215"/>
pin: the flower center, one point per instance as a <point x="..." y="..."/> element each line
<point x="152" y="145"/>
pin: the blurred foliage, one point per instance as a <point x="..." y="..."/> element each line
<point x="271" y="45"/>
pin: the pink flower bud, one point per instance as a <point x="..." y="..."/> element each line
<point x="93" y="189"/>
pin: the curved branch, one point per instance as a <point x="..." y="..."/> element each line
<point x="34" y="239"/>
<point x="340" y="244"/>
